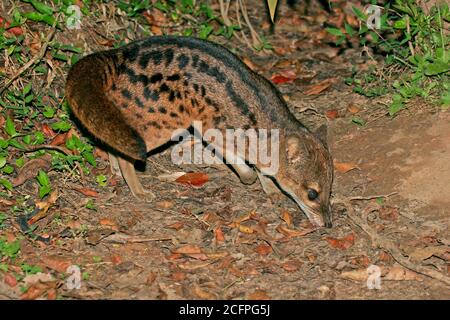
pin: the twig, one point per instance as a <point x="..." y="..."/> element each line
<point x="33" y="60"/>
<point x="390" y="246"/>
<point x="372" y="197"/>
<point x="408" y="31"/>
<point x="48" y="146"/>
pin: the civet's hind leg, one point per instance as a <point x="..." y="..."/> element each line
<point x="132" y="180"/>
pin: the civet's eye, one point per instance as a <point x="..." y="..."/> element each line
<point x="312" y="194"/>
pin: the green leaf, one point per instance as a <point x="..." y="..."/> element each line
<point x="91" y="205"/>
<point x="361" y="16"/>
<point x="205" y="31"/>
<point x="26" y="89"/>
<point x="2" y="162"/>
<point x="358" y="121"/>
<point x="436" y="67"/>
<point x="10" y="128"/>
<point x="400" y="24"/>
<point x="42" y="178"/>
<point x="102" y="180"/>
<point x="44" y="190"/>
<point x="396" y="105"/>
<point x="62" y="126"/>
<point x="335" y="32"/>
<point x="41" y="7"/>
<point x="48" y="112"/>
<point x="8" y="169"/>
<point x="8" y="185"/>
<point x="349" y="30"/>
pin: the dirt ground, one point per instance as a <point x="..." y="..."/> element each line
<point x="225" y="240"/>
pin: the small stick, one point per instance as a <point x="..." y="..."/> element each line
<point x="391" y="247"/>
<point x="33" y="60"/>
<point x="49" y="146"/>
<point x="372" y="197"/>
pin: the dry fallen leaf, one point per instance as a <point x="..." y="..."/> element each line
<point x="398" y="273"/>
<point x="196" y="179"/>
<point x="203" y="294"/>
<point x="192" y="251"/>
<point x="177" y="226"/>
<point x="87" y="192"/>
<point x="258" y="295"/>
<point x="193" y="265"/>
<point x="57" y="263"/>
<point x="291" y="266"/>
<point x="355" y="275"/>
<point x="178" y="276"/>
<point x="263" y="249"/>
<point x="245" y="229"/>
<point x="43" y="206"/>
<point x="286" y="216"/>
<point x="344" y="167"/>
<point x="31" y="168"/>
<point x="218" y="234"/>
<point x="59" y="139"/>
<point x="10" y="280"/>
<point x="424" y="253"/>
<point x="293" y="233"/>
<point x="109" y="223"/>
<point x="332" y="114"/>
<point x="353" y="109"/>
<point x="318" y="87"/>
<point x="164" y="204"/>
<point x="342" y="243"/>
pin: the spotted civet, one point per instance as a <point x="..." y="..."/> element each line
<point x="134" y="97"/>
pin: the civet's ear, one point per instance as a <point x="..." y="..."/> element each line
<point x="295" y="148"/>
<point x="322" y="134"/>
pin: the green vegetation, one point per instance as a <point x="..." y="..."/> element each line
<point x="414" y="42"/>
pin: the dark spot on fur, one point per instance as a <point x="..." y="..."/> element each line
<point x="173" y="115"/>
<point x="150" y="94"/>
<point x="181" y="108"/>
<point x="178" y="94"/>
<point x="173" y="77"/>
<point x="124" y="105"/>
<point x="237" y="100"/>
<point x="132" y="54"/>
<point x="164" y="88"/>
<point x="151" y="110"/>
<point x="185" y="83"/>
<point x="138" y="102"/>
<point x="194" y="102"/>
<point x="171" y="96"/>
<point x="138" y="115"/>
<point x="203" y="67"/>
<point x="156" y="78"/>
<point x="217" y="74"/>
<point x="195" y="87"/>
<point x="154" y="124"/>
<point x="162" y="110"/>
<point x="113" y="87"/>
<point x="195" y="61"/>
<point x="183" y="60"/>
<point x="203" y="91"/>
<point x="126" y="94"/>
<point x="168" y="54"/>
<point x="155" y="56"/>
